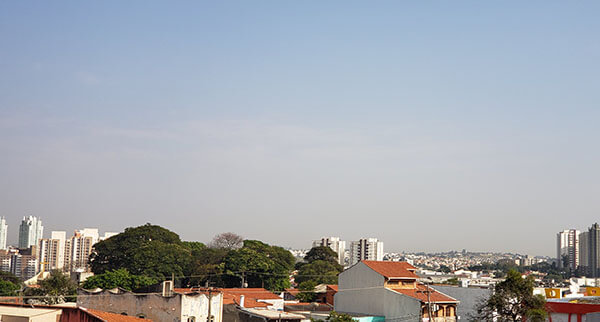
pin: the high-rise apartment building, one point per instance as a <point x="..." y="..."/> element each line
<point x="79" y="248"/>
<point x="366" y="249"/>
<point x="337" y="245"/>
<point x="593" y="251"/>
<point x="52" y="251"/>
<point x="584" y="252"/>
<point x="567" y="249"/>
<point x="3" y="233"/>
<point x="30" y="231"/>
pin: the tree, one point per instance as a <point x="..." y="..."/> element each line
<point x="258" y="265"/>
<point x="57" y="288"/>
<point x="9" y="284"/>
<point x="512" y="300"/>
<point x="323" y="253"/>
<point x="338" y="317"/>
<point x="227" y="240"/>
<point x="118" y="278"/>
<point x="145" y="250"/>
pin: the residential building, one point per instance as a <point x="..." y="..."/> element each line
<point x="337" y="245"/>
<point x="3" y="233"/>
<point x="593" y="252"/>
<point x="366" y="249"/>
<point x="46" y="313"/>
<point x="23" y="263"/>
<point x="255" y="304"/>
<point x="30" y="231"/>
<point x="570" y="309"/>
<point x="567" y="249"/>
<point x="185" y="305"/>
<point x="52" y="251"/>
<point x="584" y="249"/>
<point x="78" y="249"/>
<point x="391" y="290"/>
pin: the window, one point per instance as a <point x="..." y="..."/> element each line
<point x="191" y="319"/>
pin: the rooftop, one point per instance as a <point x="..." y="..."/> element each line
<point x="393" y="269"/>
<point x="421" y="291"/>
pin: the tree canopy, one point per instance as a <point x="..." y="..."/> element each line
<point x="118" y="278"/>
<point x="512" y="300"/>
<point x="321" y="267"/>
<point x="147" y="250"/>
<point x="9" y="284"/>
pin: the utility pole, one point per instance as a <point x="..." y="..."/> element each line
<point x="208" y="318"/>
<point x="428" y="291"/>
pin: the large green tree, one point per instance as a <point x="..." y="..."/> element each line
<point x="118" y="278"/>
<point x="320" y="267"/>
<point x="512" y="300"/>
<point x="147" y="250"/>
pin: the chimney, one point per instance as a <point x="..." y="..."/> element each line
<point x="167" y="288"/>
<point x="242" y="300"/>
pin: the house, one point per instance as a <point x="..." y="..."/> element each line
<point x="254" y="305"/>
<point x="172" y="304"/>
<point x="46" y="313"/>
<point x="391" y="290"/>
<point x="573" y="309"/>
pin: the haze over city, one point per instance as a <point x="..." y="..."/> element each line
<point x="470" y="125"/>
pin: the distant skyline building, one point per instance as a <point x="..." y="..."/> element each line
<point x="366" y="249"/>
<point x="3" y="233"/>
<point x="52" y="251"/>
<point x="567" y="248"/>
<point x="337" y="245"/>
<point x="30" y="231"/>
<point x="593" y="251"/>
<point x="584" y="252"/>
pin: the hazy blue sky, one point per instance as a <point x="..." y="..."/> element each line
<point x="432" y="126"/>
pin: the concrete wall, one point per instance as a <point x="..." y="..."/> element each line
<point x="379" y="302"/>
<point x="359" y="276"/>
<point x="197" y="306"/>
<point x="468" y="297"/>
<point x="152" y="306"/>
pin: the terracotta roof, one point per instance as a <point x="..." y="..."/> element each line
<point x="113" y="317"/>
<point x="256" y="293"/>
<point x="420" y="293"/>
<point x="293" y="291"/>
<point x="333" y="287"/>
<point x="251" y="296"/>
<point x="194" y="290"/>
<point x="392" y="269"/>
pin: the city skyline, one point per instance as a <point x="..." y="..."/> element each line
<point x="471" y="122"/>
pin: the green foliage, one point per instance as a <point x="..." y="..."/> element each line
<point x="452" y="281"/>
<point x="512" y="300"/>
<point x="118" y="278"/>
<point x="321" y="253"/>
<point x="321" y="267"/>
<point x="338" y="317"/>
<point x="194" y="247"/>
<point x="444" y="269"/>
<point x="145" y="250"/>
<point x="57" y="288"/>
<point x="259" y="265"/>
<point x="9" y="284"/>
<point x="307" y="293"/>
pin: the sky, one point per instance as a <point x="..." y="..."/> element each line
<point x="432" y="126"/>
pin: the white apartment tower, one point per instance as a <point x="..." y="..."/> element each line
<point x="337" y="245"/>
<point x="3" y="232"/>
<point x="79" y="248"/>
<point x="51" y="251"/>
<point x="30" y="231"/>
<point x="366" y="249"/>
<point x="567" y="244"/>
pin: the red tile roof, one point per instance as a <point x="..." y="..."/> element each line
<point x="420" y="293"/>
<point x="251" y="296"/>
<point x="194" y="290"/>
<point x="392" y="269"/>
<point x="256" y="293"/>
<point x="333" y="287"/>
<point x="113" y="317"/>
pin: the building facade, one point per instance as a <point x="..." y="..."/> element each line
<point x="567" y="249"/>
<point x="337" y="245"/>
<point x="51" y="251"/>
<point x="3" y="233"/>
<point x="391" y="290"/>
<point x="366" y="249"/>
<point x="30" y="231"/>
<point x="593" y="251"/>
